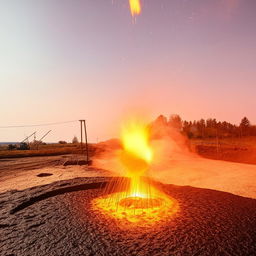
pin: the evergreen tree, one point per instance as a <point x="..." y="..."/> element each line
<point x="175" y="121"/>
<point x="74" y="140"/>
<point x="245" y="126"/>
<point x="245" y="123"/>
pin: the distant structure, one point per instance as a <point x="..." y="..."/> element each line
<point x="39" y="141"/>
<point x="83" y="126"/>
<point x="24" y="145"/>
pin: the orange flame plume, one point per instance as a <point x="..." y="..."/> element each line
<point x="139" y="202"/>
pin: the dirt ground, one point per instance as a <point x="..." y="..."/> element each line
<point x="58" y="219"/>
<point x="45" y="209"/>
<point x="233" y="154"/>
<point x="21" y="173"/>
<point x="236" y="178"/>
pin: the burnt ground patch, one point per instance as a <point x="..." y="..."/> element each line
<point x="58" y="220"/>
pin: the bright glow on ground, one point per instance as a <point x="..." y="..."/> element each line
<point x="135" y="209"/>
<point x="140" y="208"/>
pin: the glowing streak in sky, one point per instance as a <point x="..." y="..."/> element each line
<point x="135" y="7"/>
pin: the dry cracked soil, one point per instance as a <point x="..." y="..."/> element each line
<point x="57" y="219"/>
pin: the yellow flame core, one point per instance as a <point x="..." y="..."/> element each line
<point x="136" y="156"/>
<point x="141" y="202"/>
<point x="135" y="140"/>
<point x="135" y="7"/>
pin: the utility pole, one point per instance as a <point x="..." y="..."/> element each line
<point x="86" y="143"/>
<point x="83" y="125"/>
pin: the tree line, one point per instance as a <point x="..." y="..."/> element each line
<point x="209" y="128"/>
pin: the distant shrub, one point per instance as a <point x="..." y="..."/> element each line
<point x="75" y="140"/>
<point x="12" y="147"/>
<point x="62" y="142"/>
<point x="24" y="146"/>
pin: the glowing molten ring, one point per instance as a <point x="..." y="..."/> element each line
<point x="139" y="210"/>
<point x="140" y="203"/>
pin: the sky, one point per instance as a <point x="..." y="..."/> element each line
<point x="63" y="60"/>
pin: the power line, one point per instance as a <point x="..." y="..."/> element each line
<point x="37" y="125"/>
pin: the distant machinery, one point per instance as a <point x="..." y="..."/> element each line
<point x="40" y="141"/>
<point x="24" y="145"/>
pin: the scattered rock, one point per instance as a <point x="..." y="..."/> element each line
<point x="44" y="174"/>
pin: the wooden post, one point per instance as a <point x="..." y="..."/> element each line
<point x="81" y="126"/>
<point x="86" y="143"/>
<point x="82" y="123"/>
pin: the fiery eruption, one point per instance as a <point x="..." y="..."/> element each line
<point x="135" y="7"/>
<point x="138" y="201"/>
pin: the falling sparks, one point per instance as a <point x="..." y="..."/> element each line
<point x="135" y="7"/>
<point x="139" y="201"/>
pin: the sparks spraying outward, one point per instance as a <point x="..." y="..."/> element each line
<point x="138" y="202"/>
<point x="135" y="7"/>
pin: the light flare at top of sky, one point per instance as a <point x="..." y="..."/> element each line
<point x="135" y="7"/>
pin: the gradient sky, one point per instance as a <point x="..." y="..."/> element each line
<point x="63" y="60"/>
